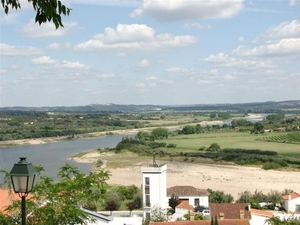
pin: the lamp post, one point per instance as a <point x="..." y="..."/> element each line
<point x="22" y="176"/>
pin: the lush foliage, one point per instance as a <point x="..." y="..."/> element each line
<point x="46" y="11"/>
<point x="219" y="197"/>
<point x="59" y="202"/>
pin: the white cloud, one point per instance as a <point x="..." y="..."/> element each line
<point x="170" y="10"/>
<point x="143" y="63"/>
<point x="140" y="85"/>
<point x="43" y="60"/>
<point x="241" y="39"/>
<point x="33" y="30"/>
<point x="229" y="77"/>
<point x="133" y="37"/>
<point x="284" y="47"/>
<point x="3" y="71"/>
<point x="19" y="50"/>
<point x="152" y="85"/>
<point x="180" y="70"/>
<point x="111" y="75"/>
<point x="121" y="55"/>
<point x="294" y="2"/>
<point x="197" y="26"/>
<point x="55" y="46"/>
<point x="224" y="60"/>
<point x="77" y="65"/>
<point x="151" y="78"/>
<point x="204" y="82"/>
<point x="283" y="30"/>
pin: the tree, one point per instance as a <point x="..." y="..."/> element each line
<point x="46" y="11"/>
<point x="174" y="201"/>
<point x="219" y="197"/>
<point x="213" y="115"/>
<point x="188" y="129"/>
<point x="113" y="201"/>
<point x="276" y="221"/>
<point x="224" y="115"/>
<point x="160" y="133"/>
<point x="130" y="206"/>
<point x="214" y="147"/>
<point x="59" y="202"/>
<point x="158" y="214"/>
<point x="258" y="128"/>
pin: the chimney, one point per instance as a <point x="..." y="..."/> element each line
<point x="192" y="215"/>
<point x="242" y="213"/>
<point x="221" y="216"/>
<point x="289" y="197"/>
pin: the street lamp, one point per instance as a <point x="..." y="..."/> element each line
<point x="22" y="176"/>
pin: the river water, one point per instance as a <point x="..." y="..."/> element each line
<point x="54" y="155"/>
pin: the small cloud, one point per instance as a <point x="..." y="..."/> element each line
<point x="241" y="39"/>
<point x="229" y="77"/>
<point x="72" y="65"/>
<point x="189" y="26"/>
<point x="107" y="75"/>
<point x="293" y="2"/>
<point x="170" y="10"/>
<point x="19" y="50"/>
<point x="43" y="60"/>
<point x="3" y="71"/>
<point x="121" y="55"/>
<point x="151" y="78"/>
<point x="55" y="46"/>
<point x="144" y="63"/>
<point x="152" y="85"/>
<point x="32" y="30"/>
<point x="204" y="81"/>
<point x="167" y="81"/>
<point x="214" y="71"/>
<point x="140" y="85"/>
<point x="134" y="37"/>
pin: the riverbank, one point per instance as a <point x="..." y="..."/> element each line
<point x="125" y="169"/>
<point x="37" y="141"/>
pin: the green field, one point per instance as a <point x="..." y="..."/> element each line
<point x="229" y="139"/>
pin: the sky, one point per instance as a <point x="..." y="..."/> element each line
<point x="160" y="52"/>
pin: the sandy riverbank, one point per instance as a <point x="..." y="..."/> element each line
<point x="231" y="179"/>
<point x="36" y="141"/>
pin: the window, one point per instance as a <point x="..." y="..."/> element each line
<point x="297" y="208"/>
<point x="147" y="191"/>
<point x="196" y="201"/>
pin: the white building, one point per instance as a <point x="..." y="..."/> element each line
<point x="291" y="202"/>
<point x="154" y="187"/>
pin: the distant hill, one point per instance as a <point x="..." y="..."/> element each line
<point x="292" y="106"/>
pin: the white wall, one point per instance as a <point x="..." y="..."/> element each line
<point x="158" y="186"/>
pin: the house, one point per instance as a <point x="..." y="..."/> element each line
<point x="259" y="217"/>
<point x="190" y="195"/>
<point x="225" y="211"/>
<point x="205" y="222"/>
<point x="291" y="202"/>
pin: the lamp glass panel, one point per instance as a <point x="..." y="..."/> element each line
<point x="30" y="182"/>
<point x="20" y="184"/>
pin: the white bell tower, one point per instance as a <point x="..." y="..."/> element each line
<point x="154" y="187"/>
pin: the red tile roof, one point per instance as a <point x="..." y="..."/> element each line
<point x="293" y="196"/>
<point x="205" y="222"/>
<point x="261" y="213"/>
<point x="185" y="205"/>
<point x="6" y="198"/>
<point x="230" y="210"/>
<point x="186" y="191"/>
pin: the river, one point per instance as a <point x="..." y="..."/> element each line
<point x="54" y="155"/>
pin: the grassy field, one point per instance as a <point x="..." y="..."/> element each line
<point x="231" y="139"/>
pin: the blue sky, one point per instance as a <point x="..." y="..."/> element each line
<point x="163" y="52"/>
